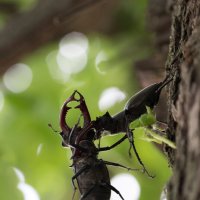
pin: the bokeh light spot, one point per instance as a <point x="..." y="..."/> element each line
<point x="27" y="190"/>
<point x="54" y="69"/>
<point x="127" y="185"/>
<point x="19" y="174"/>
<point x="101" y="57"/>
<point x="73" y="43"/>
<point x="163" y="195"/>
<point x="1" y="100"/>
<point x="110" y="97"/>
<point x="73" y="53"/>
<point x="39" y="149"/>
<point x="18" y="78"/>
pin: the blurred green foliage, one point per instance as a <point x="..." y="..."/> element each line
<point x="25" y="116"/>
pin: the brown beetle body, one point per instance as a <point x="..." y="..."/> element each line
<point x="93" y="181"/>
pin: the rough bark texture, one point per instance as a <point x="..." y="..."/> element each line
<point x="184" y="100"/>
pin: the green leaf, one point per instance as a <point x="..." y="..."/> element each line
<point x="135" y="124"/>
<point x="160" y="139"/>
<point x="146" y="119"/>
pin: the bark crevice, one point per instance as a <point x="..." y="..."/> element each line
<point x="184" y="101"/>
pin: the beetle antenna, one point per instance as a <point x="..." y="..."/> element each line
<point x="54" y="130"/>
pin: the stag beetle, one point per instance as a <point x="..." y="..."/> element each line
<point x="91" y="173"/>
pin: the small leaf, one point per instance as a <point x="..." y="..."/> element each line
<point x="149" y="110"/>
<point x="147" y="119"/>
<point x="135" y="124"/>
<point x="148" y="139"/>
<point x="161" y="138"/>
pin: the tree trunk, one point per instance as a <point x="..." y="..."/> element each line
<point x="184" y="100"/>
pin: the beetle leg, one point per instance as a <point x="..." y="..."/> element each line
<point x="102" y="184"/>
<point x="132" y="145"/>
<point x="129" y="136"/>
<point x="114" y="145"/>
<point x="88" y="192"/>
<point x="75" y="177"/>
<point x="75" y="188"/>
<point x="119" y="165"/>
<point x="110" y="187"/>
<point x="138" y="157"/>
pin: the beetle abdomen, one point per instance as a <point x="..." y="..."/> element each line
<point x="92" y="182"/>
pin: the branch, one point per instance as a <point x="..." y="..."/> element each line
<point x="8" y="7"/>
<point x="47" y="21"/>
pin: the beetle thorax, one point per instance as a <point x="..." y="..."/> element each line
<point x="89" y="147"/>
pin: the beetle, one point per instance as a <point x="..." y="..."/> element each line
<point x="134" y="108"/>
<point x="91" y="173"/>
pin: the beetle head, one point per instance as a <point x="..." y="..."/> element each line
<point x="89" y="147"/>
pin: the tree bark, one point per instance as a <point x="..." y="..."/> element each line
<point x="184" y="100"/>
